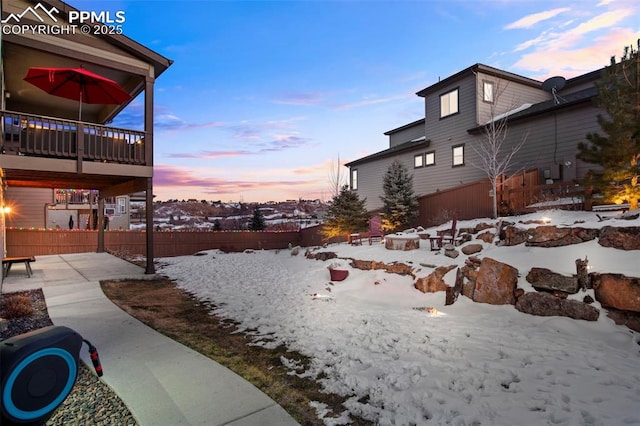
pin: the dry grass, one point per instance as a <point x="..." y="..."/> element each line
<point x="178" y="315"/>
<point x="17" y="306"/>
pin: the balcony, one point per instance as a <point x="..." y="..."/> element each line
<point x="41" y="136"/>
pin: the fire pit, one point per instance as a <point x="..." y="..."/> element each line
<point x="402" y="242"/>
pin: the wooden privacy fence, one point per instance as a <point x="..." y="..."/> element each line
<point x="520" y="193"/>
<point x="39" y="242"/>
<point x="523" y="193"/>
<point x="467" y="201"/>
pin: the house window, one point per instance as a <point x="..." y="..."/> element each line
<point x="430" y="158"/>
<point x="458" y="155"/>
<point x="449" y="103"/>
<point x="418" y="160"/>
<point x="487" y="90"/>
<point x="122" y="205"/>
<point x="354" y="179"/>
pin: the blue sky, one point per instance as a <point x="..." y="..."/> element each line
<point x="264" y="96"/>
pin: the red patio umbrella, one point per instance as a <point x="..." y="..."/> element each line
<point x="77" y="84"/>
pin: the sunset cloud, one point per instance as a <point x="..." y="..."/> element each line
<point x="370" y="101"/>
<point x="277" y="144"/>
<point x="531" y="20"/>
<point x="164" y="120"/>
<point x="583" y="43"/>
<point x="174" y="182"/>
<point x="579" y="60"/>
<point x="301" y="98"/>
<point x="209" y="154"/>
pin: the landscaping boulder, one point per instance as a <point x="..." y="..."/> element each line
<point x="452" y="293"/>
<point x="450" y="251"/>
<point x="514" y="236"/>
<point x="471" y="249"/>
<point x="393" y="268"/>
<point x="323" y="255"/>
<point x="548" y="236"/>
<point x="495" y="283"/>
<point x="487" y="237"/>
<point x="434" y="281"/>
<point x="479" y="227"/>
<point x="469" y="273"/>
<point x="617" y="291"/>
<point x="545" y="304"/>
<point x="629" y="319"/>
<point x="552" y="236"/>
<point x="620" y="238"/>
<point x="545" y="279"/>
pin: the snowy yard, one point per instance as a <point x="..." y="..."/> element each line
<point x="371" y="338"/>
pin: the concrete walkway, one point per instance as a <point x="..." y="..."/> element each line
<point x="161" y="381"/>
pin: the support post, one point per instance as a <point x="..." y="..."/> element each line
<point x="100" y="225"/>
<point x="148" y="128"/>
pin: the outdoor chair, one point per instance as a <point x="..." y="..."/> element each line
<point x="446" y="236"/>
<point x="375" y="229"/>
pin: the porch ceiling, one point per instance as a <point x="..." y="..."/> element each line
<point x="48" y="179"/>
<point x="25" y="97"/>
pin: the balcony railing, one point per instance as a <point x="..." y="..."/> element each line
<point x="81" y="197"/>
<point x="40" y="136"/>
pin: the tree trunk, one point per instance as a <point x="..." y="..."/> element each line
<point x="494" y="187"/>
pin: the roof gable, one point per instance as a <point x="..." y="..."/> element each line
<point x="479" y="68"/>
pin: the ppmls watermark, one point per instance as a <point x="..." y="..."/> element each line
<point x="79" y="21"/>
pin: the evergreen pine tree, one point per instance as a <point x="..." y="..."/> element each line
<point x="346" y="215"/>
<point x="617" y="152"/>
<point x="400" y="208"/>
<point x="257" y="221"/>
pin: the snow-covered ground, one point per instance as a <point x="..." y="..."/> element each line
<point x="371" y="338"/>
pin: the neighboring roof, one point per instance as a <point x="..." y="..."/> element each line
<point x="406" y="126"/>
<point x="571" y="99"/>
<point x="479" y="68"/>
<point x="403" y="147"/>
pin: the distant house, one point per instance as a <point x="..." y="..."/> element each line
<point x="439" y="149"/>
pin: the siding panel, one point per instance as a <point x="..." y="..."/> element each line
<point x="406" y="134"/>
<point x="30" y="205"/>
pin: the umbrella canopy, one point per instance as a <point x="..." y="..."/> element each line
<point x="77" y="84"/>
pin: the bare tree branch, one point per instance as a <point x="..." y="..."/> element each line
<point x="336" y="178"/>
<point x="494" y="157"/>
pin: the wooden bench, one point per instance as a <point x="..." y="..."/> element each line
<point x="7" y="262"/>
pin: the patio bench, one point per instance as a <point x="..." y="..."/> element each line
<point x="7" y="262"/>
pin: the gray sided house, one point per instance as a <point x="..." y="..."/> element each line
<point x="439" y="149"/>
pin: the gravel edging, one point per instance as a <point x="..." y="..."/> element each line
<point x="91" y="401"/>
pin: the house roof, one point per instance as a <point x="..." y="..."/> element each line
<point x="568" y="100"/>
<point x="390" y="152"/>
<point x="588" y="77"/>
<point x="406" y="126"/>
<point x="479" y="68"/>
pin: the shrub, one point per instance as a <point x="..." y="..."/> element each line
<point x="17" y="307"/>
